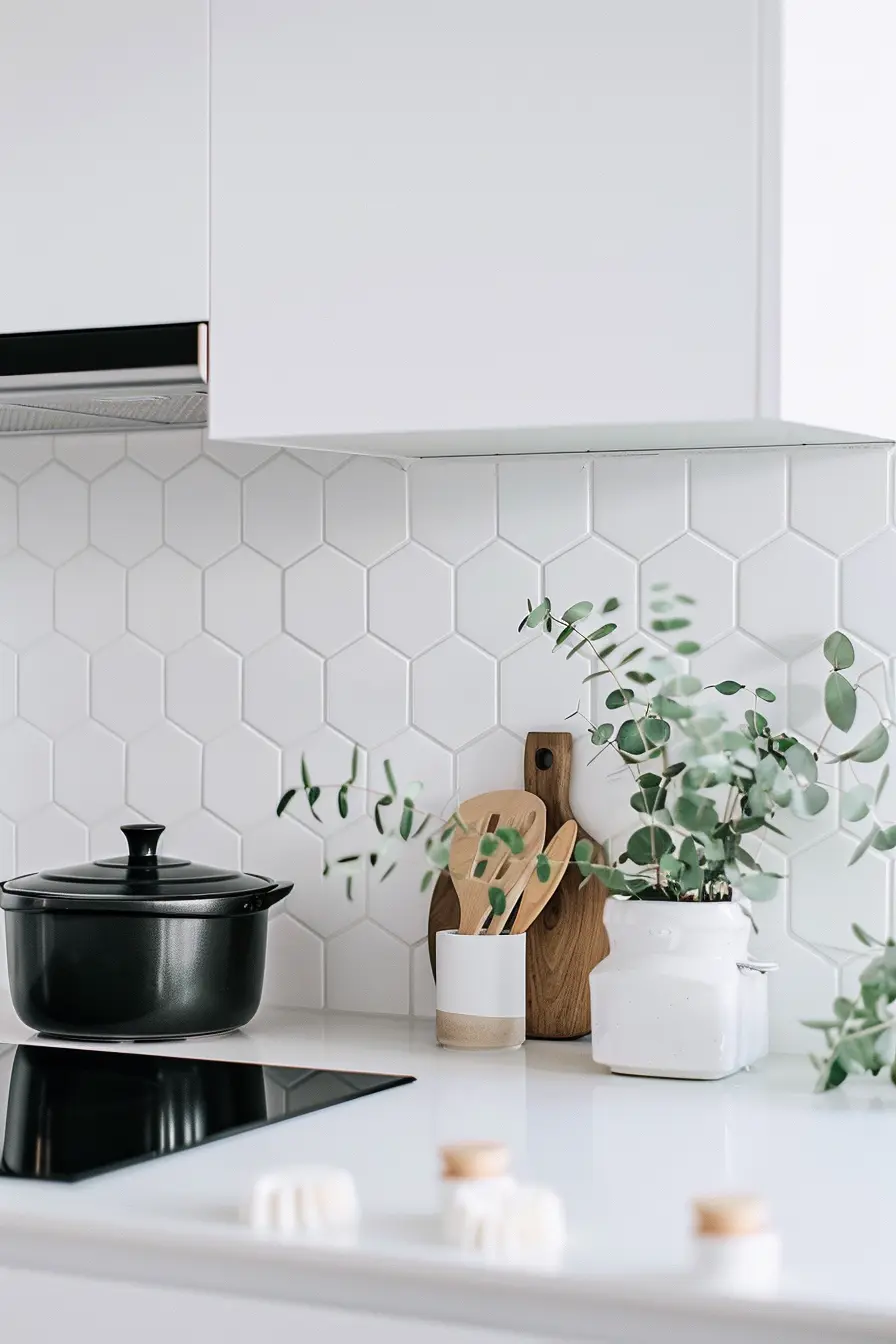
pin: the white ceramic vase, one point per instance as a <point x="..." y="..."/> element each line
<point x="480" y="990"/>
<point x="678" y="996"/>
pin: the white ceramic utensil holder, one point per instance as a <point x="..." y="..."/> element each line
<point x="678" y="996"/>
<point x="480" y="990"/>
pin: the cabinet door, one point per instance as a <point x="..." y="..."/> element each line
<point x="103" y="163"/>
<point x="457" y="214"/>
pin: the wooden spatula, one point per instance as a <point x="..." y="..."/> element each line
<point x="489" y="812"/>
<point x="536" y="893"/>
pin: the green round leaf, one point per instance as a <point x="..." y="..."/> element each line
<point x="727" y="687"/>
<point x="632" y="738"/>
<point x="657" y="731"/>
<point x="766" y="695"/>
<point x="611" y="604"/>
<point x="649" y="781"/>
<point x="648" y="845"/>
<point x="871" y="748"/>
<point x="885" y="839"/>
<point x="602" y="734"/>
<point x="684" y="685"/>
<point x="759" y="886"/>
<point x="802" y="763"/>
<point x="855" y="804"/>
<point x="840" y="701"/>
<point x="578" y="611"/>
<point x="616" y="699"/>
<point x="543" y="868"/>
<point x="687" y="647"/>
<point x="839" y="650"/>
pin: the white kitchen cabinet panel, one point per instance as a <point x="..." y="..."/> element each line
<point x="434" y="216"/>
<point x="103" y="163"/>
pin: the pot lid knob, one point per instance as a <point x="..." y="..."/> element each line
<point x="142" y="838"/>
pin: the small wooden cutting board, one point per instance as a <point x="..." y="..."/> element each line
<point x="568" y="939"/>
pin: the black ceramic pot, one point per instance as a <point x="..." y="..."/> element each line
<point x="142" y="947"/>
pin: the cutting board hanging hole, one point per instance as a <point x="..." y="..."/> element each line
<point x="544" y="758"/>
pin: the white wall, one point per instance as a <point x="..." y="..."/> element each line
<point x="179" y="621"/>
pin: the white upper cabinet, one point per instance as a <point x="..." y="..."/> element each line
<point x="479" y="222"/>
<point x="103" y="163"/>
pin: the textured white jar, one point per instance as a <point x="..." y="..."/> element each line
<point x="480" y="990"/>
<point x="671" y="999"/>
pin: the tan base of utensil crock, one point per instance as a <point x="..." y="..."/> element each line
<point x="463" y="1031"/>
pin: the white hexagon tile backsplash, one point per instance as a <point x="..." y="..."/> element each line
<point x="181" y="620"/>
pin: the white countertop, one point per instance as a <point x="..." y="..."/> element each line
<point x="626" y="1154"/>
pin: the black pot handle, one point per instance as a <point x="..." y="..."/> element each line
<point x="266" y="899"/>
<point x="143" y="838"/>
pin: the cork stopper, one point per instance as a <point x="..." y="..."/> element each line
<point x="474" y="1161"/>
<point x="730" y="1216"/>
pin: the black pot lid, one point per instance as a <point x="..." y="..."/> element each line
<point x="142" y="881"/>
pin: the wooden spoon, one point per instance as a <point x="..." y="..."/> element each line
<point x="489" y="812"/>
<point x="537" y="893"/>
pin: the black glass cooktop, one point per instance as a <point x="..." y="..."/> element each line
<point x="75" y="1113"/>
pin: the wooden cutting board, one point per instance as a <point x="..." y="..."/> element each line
<point x="568" y="939"/>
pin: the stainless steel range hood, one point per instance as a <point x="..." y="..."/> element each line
<point x="109" y="378"/>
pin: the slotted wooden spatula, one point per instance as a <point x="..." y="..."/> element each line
<point x="511" y="809"/>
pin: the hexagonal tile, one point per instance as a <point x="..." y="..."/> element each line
<point x="838" y="499"/>
<point x="325" y="600"/>
<point x="329" y="757"/>
<point x="90" y="604"/>
<point x="278" y="848"/>
<point x="368" y="971"/>
<point x="692" y="567"/>
<point x="415" y="758"/>
<point x="322" y="460"/>
<point x="89" y="455"/>
<point x="202" y="512"/>
<point x="823" y="913"/>
<point x="9" y="691"/>
<point x="410" y="600"/>
<point x="283" y="510"/>
<point x="204" y="839"/>
<point x="494" y="762"/>
<point x="241" y="777"/>
<point x="9" y="527"/>
<point x="243" y="600"/>
<point x="240" y="458"/>
<point x="423" y="987"/>
<point x="26" y="600"/>
<point x="126" y="687"/>
<point x="50" y="838"/>
<point x="454" y="506"/>
<point x="539" y="691"/>
<point x="593" y="571"/>
<point x="294" y="969"/>
<point x="26" y="777"/>
<point x="7" y="865"/>
<point x="758" y="481"/>
<point x="804" y="984"/>
<point x="88" y="772"/>
<point x="318" y="901"/>
<point x="126" y="513"/>
<point x="165" y="600"/>
<point x="367" y="692"/>
<point x="202" y="683"/>
<point x="866" y="609"/>
<point x="367" y="509"/>
<point x="492" y="589"/>
<point x="438" y="709"/>
<point x="787" y="595"/>
<point x="165" y="451"/>
<point x="544" y="504"/>
<point x="53" y="685"/>
<point x="397" y="904"/>
<point x="164" y="774"/>
<point x="22" y="455"/>
<point x="640" y="503"/>
<point x="53" y="514"/>
<point x="284" y="690"/>
<point x="737" y="657"/>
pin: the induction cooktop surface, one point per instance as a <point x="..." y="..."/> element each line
<point x="73" y="1113"/>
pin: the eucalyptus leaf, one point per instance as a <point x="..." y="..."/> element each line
<point x="601" y="632"/>
<point x="885" y="838"/>
<point x="768" y="772"/>
<point x="840" y="701"/>
<point x="813" y="799"/>
<point x="612" y="879"/>
<point x="839" y="651"/>
<point x="616" y="699"/>
<point x="538" y="614"/>
<point x="855" y="804"/>
<point x="390" y="777"/>
<point x="683" y="685"/>
<point x="881" y="783"/>
<point x="497" y="900"/>
<point x="864" y="846"/>
<point x="543" y="868"/>
<point x="727" y="687"/>
<point x="865" y="938"/>
<point x="611" y="604"/>
<point x="511" y="838"/>
<point x="664" y="624"/>
<point x="631" y="738"/>
<point x="802" y="763"/>
<point x="285" y="801"/>
<point x="687" y="647"/>
<point x="657" y="731"/>
<point x="577" y="612"/>
<point x="566" y="633"/>
<point x="648" y="845"/>
<point x="759" y="886"/>
<point x="602" y="734"/>
<point x="764" y="694"/>
<point x="870" y="748"/>
<point x="756" y="723"/>
<point x="488" y="845"/>
<point x="671" y="709"/>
